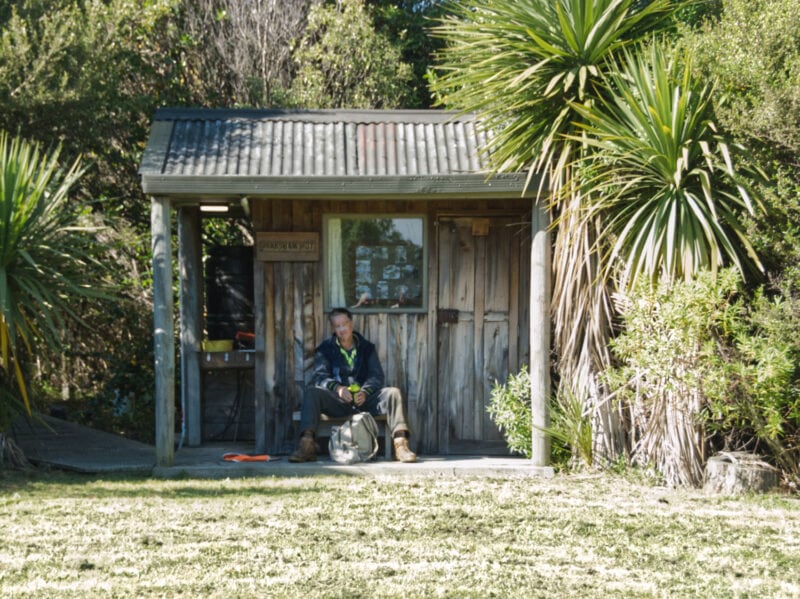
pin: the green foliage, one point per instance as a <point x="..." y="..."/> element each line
<point x="663" y="176"/>
<point x="570" y="427"/>
<point x="760" y="405"/>
<point x="342" y="62"/>
<point x="48" y="256"/>
<point x="776" y="234"/>
<point x="124" y="402"/>
<point x="88" y="75"/>
<point x="695" y="14"/>
<point x="407" y="24"/>
<point x="525" y="65"/>
<point x="510" y="409"/>
<point x="753" y="49"/>
<point x="701" y="368"/>
<point x="669" y="362"/>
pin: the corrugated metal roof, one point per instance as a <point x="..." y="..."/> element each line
<point x="198" y="154"/>
<point x="274" y="143"/>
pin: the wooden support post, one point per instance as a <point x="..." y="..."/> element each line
<point x="163" y="339"/>
<point x="261" y="374"/>
<point x="191" y="315"/>
<point x="540" y="333"/>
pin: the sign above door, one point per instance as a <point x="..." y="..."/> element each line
<point x="287" y="247"/>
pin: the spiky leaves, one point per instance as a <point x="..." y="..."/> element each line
<point x="46" y="258"/>
<point x="523" y="66"/>
<point x="534" y="70"/>
<point x="662" y="175"/>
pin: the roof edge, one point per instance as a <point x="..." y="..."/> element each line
<point x="347" y="116"/>
<point x="361" y="187"/>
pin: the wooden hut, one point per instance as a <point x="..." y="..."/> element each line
<point x="390" y="213"/>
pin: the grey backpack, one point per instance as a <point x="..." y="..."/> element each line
<point x="355" y="441"/>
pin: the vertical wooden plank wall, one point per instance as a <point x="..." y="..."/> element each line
<point x="500" y="335"/>
<point x="290" y="317"/>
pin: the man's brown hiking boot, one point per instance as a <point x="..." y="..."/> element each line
<point x="402" y="451"/>
<point x="306" y="451"/>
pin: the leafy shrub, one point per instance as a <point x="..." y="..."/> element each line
<point x="668" y="359"/>
<point x="570" y="430"/>
<point x="702" y="368"/>
<point x="759" y="408"/>
<point x="510" y="409"/>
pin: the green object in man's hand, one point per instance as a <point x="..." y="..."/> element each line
<point x="354" y="388"/>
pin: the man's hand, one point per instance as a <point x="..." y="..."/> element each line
<point x="360" y="398"/>
<point x="344" y="394"/>
<point x="346" y="397"/>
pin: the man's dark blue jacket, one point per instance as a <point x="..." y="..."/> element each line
<point x="331" y="368"/>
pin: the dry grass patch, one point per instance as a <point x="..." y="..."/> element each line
<point x="586" y="536"/>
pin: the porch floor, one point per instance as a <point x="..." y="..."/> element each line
<point x="61" y="444"/>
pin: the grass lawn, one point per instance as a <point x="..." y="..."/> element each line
<point x="571" y="536"/>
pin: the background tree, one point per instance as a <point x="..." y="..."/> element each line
<point x="239" y="53"/>
<point x="753" y="49"/>
<point x="88" y="75"/>
<point x="342" y="62"/>
<point x="407" y="23"/>
<point x="670" y="197"/>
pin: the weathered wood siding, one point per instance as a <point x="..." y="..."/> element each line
<point x="293" y="321"/>
<point x="480" y="279"/>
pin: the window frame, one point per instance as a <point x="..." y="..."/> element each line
<point x="326" y="291"/>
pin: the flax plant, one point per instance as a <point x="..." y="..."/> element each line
<point x="46" y="262"/>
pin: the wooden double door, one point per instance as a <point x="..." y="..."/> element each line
<point x="482" y="324"/>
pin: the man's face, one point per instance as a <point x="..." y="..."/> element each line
<point x="343" y="328"/>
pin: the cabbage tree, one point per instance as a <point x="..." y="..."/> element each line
<point x="665" y="182"/>
<point x="532" y="69"/>
<point x="47" y="262"/>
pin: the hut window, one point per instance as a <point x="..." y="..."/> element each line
<point x="375" y="263"/>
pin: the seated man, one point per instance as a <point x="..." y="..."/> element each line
<point x="348" y="378"/>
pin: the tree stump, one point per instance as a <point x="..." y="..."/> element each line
<point x="735" y="473"/>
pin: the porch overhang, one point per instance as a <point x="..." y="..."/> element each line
<point x="439" y="187"/>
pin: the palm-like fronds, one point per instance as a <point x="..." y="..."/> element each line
<point x="45" y="257"/>
<point x="527" y="67"/>
<point x="523" y="66"/>
<point x="663" y="177"/>
<point x="534" y="70"/>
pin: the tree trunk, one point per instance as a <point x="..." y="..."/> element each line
<point x="735" y="473"/>
<point x="11" y="456"/>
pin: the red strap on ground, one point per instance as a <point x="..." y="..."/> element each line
<point x="246" y="457"/>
